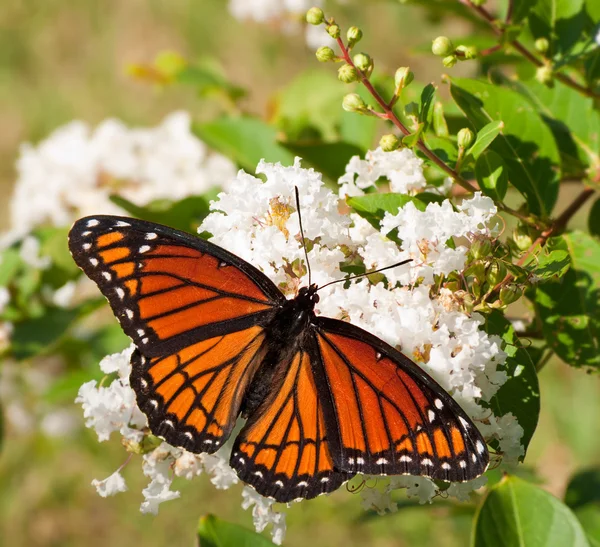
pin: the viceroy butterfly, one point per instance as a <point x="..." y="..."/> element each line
<point x="216" y="339"/>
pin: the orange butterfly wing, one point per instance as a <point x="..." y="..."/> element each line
<point x="385" y="415"/>
<point x="284" y="450"/>
<point x="196" y="314"/>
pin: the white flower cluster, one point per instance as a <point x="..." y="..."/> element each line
<point x="402" y="168"/>
<point x="258" y="221"/>
<point x="73" y="172"/>
<point x="286" y="13"/>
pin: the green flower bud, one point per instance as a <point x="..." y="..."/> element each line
<point x="476" y="289"/>
<point x="347" y="74"/>
<point x="468" y="301"/>
<point x="496" y="272"/>
<point x="442" y="46"/>
<point x="315" y="16"/>
<point x="333" y="31"/>
<point x="325" y="54"/>
<point x="542" y="45"/>
<point x="471" y="52"/>
<point x="544" y="75"/>
<point x="481" y="248"/>
<point x="353" y="102"/>
<point x="522" y="237"/>
<point x="465" y="138"/>
<point x="449" y="61"/>
<point x="389" y="142"/>
<point x="476" y="270"/>
<point x="510" y="294"/>
<point x="452" y="285"/>
<point x="354" y="35"/>
<point x="403" y="77"/>
<point x="363" y="62"/>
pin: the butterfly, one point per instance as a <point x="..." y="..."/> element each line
<point x="215" y="339"/>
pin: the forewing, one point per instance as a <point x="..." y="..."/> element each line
<point x="283" y="451"/>
<point x="391" y="417"/>
<point x="168" y="288"/>
<point x="192" y="397"/>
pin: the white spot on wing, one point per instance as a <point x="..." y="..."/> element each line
<point x="86" y="233"/>
<point x="92" y="222"/>
<point x="106" y="276"/>
<point x="438" y="404"/>
<point x="258" y="473"/>
<point x="151" y="235"/>
<point x="351" y="461"/>
<point x="446" y="466"/>
<point x="154" y="403"/>
<point x="325" y="479"/>
<point x="189" y="435"/>
<point x="431" y="415"/>
<point x="360" y="461"/>
<point x="87" y="246"/>
<point x="94" y="261"/>
<point x="241" y="460"/>
<point x="480" y="448"/>
<point x="381" y="461"/>
<point x="279" y="483"/>
<point x="427" y="461"/>
<point x="302" y="483"/>
<point x="405" y="459"/>
<point x="144" y="248"/>
<point x="143" y="382"/>
<point x="463" y="422"/>
<point x="120" y="292"/>
<point x="122" y="224"/>
<point x="128" y="313"/>
<point x="474" y="458"/>
<point x="462" y="464"/>
<point x="168" y="423"/>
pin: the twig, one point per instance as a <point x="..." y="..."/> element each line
<point x="588" y="92"/>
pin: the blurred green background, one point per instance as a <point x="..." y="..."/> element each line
<point x="61" y="61"/>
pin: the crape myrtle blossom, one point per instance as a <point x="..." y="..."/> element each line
<point x="259" y="222"/>
<point x="73" y="172"/>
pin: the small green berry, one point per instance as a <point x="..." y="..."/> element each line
<point x="333" y="31"/>
<point x="389" y="142"/>
<point x="363" y="62"/>
<point x="481" y="248"/>
<point x="542" y="45"/>
<point x="449" y="61"/>
<point x="347" y="74"/>
<point x="442" y="46"/>
<point x="353" y="35"/>
<point x="315" y="16"/>
<point x="510" y="294"/>
<point x="403" y="77"/>
<point x="496" y="272"/>
<point x="544" y="75"/>
<point x="353" y="102"/>
<point x="325" y="54"/>
<point x="522" y="237"/>
<point x="471" y="52"/>
<point x="465" y="137"/>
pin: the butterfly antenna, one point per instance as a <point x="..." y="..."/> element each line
<point x="367" y="273"/>
<point x="302" y="234"/>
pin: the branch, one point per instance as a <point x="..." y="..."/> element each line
<point x="484" y="14"/>
<point x="388" y="114"/>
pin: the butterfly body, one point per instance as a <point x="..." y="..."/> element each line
<point x="216" y="339"/>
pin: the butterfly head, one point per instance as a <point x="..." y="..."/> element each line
<point x="309" y="295"/>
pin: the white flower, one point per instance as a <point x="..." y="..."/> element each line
<point x="462" y="491"/>
<point x="30" y="254"/>
<point x="263" y="514"/>
<point x="63" y="296"/>
<point x="402" y="168"/>
<point x="223" y="476"/>
<point x="262" y="11"/>
<point x="73" y="172"/>
<point x="110" y="486"/>
<point x="422" y="488"/>
<point x="374" y="499"/>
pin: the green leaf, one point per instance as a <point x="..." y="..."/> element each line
<point x="444" y="148"/>
<point x="593" y="219"/>
<point x="245" y="140"/>
<point x="490" y="171"/>
<point x="214" y="532"/>
<point x="521" y="9"/>
<point x="209" y="79"/>
<point x="37" y="335"/>
<point x="521" y="392"/>
<point x="485" y="137"/>
<point x="572" y="119"/>
<point x="185" y="215"/>
<point x="440" y="127"/>
<point x="426" y="105"/>
<point x="570" y="309"/>
<point x="589" y="517"/>
<point x="526" y="145"/>
<point x="583" y="488"/>
<point x="517" y="513"/>
<point x="553" y="265"/>
<point x="329" y="158"/>
<point x="10" y="263"/>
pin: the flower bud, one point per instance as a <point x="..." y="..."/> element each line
<point x="363" y="62"/>
<point x="333" y="31"/>
<point x="522" y="237"/>
<point x="465" y="138"/>
<point x="442" y="46"/>
<point x="315" y="16"/>
<point x="389" y="142"/>
<point x="481" y="248"/>
<point x="347" y="74"/>
<point x="353" y="102"/>
<point x="325" y="54"/>
<point x="471" y="52"/>
<point x="544" y="75"/>
<point x="354" y="35"/>
<point x="468" y="301"/>
<point x="449" y="61"/>
<point x="542" y="45"/>
<point x="510" y="294"/>
<point x="496" y="272"/>
<point x="403" y="77"/>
